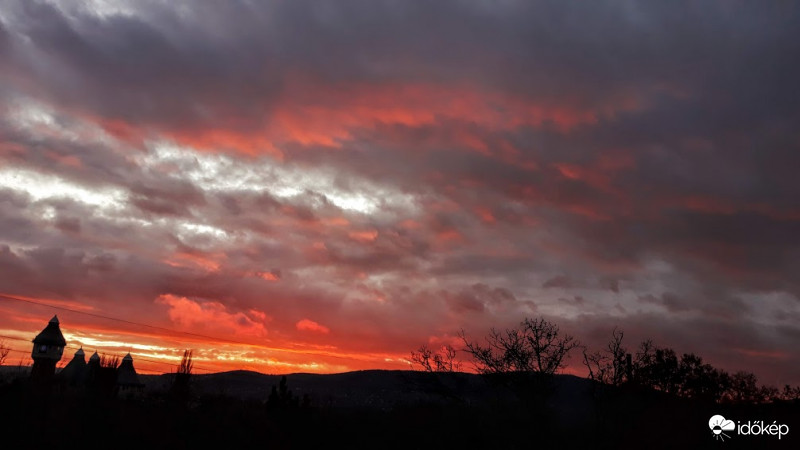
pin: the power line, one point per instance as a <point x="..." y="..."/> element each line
<point x="20" y="351"/>
<point x="172" y="330"/>
<point x="130" y="322"/>
<point x="140" y="368"/>
<point x="29" y="359"/>
<point x="138" y="358"/>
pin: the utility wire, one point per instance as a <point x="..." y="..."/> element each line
<point x="144" y="369"/>
<point x="29" y="359"/>
<point x="138" y="358"/>
<point x="172" y="330"/>
<point x="130" y="322"/>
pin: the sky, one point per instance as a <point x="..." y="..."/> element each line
<point x="312" y="186"/>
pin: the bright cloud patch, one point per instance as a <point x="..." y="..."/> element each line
<point x="310" y="325"/>
<point x="226" y="174"/>
<point x="212" y="316"/>
<point x="48" y="187"/>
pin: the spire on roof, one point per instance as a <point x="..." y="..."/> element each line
<point x="51" y="335"/>
<point x="126" y="374"/>
<point x="94" y="357"/>
<point x="74" y="373"/>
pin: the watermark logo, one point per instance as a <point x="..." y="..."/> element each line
<point x="719" y="425"/>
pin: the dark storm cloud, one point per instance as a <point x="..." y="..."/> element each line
<point x="204" y="62"/>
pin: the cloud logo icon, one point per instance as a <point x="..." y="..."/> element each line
<point x="719" y="425"/>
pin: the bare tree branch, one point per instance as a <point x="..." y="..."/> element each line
<point x="609" y="366"/>
<point x="537" y="346"/>
<point x="443" y="360"/>
<point x="4" y="350"/>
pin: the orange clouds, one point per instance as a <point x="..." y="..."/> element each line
<point x="194" y="260"/>
<point x="310" y="325"/>
<point x="213" y="316"/>
<point x="250" y="143"/>
<point x="363" y="236"/>
<point x="600" y="173"/>
<point x="485" y="214"/>
<point x="269" y="276"/>
<point x="48" y="301"/>
<point x="310" y="113"/>
<point x="159" y="351"/>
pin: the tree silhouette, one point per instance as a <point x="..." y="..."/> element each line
<point x="443" y="360"/>
<point x="181" y="389"/>
<point x="609" y="366"/>
<point x="109" y="362"/>
<point x="186" y="363"/>
<point x="699" y="380"/>
<point x="743" y="388"/>
<point x="281" y="398"/>
<point x="659" y="370"/>
<point x="537" y="346"/>
<point x="790" y="393"/>
<point x="4" y="350"/>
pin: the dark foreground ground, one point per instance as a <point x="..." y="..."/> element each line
<point x="375" y="410"/>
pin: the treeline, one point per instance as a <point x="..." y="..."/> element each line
<point x="687" y="375"/>
<point x="538" y="347"/>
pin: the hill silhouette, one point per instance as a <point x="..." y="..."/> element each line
<point x="377" y="409"/>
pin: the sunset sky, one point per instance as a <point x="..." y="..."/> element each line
<point x="319" y="186"/>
